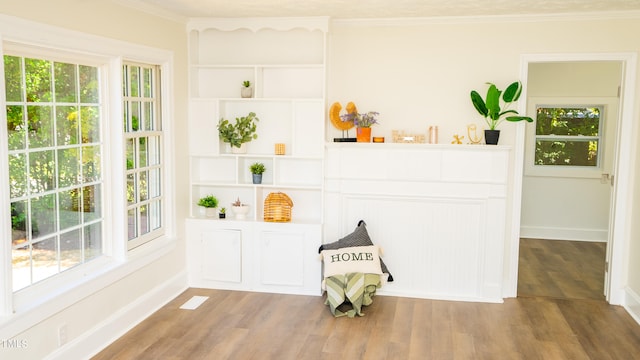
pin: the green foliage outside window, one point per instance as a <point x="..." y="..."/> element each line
<point x="568" y="136"/>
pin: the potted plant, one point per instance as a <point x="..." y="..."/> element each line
<point x="495" y="108"/>
<point x="223" y="213"/>
<point x="239" y="133"/>
<point x="363" y="123"/>
<point x="239" y="209"/>
<point x="209" y="203"/>
<point x="246" y="91"/>
<point x="257" y="169"/>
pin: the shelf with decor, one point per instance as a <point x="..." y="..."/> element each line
<point x="283" y="61"/>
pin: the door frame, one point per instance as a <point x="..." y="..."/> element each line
<point x="620" y="213"/>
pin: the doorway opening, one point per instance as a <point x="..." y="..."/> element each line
<point x="621" y="166"/>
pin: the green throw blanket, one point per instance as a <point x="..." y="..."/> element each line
<point x="356" y="289"/>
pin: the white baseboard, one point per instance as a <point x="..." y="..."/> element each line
<point x="632" y="303"/>
<point x="554" y="233"/>
<point x="103" y="334"/>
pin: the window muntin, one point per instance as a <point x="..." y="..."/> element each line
<point x="55" y="174"/>
<point x="142" y="125"/>
<point x="568" y="136"/>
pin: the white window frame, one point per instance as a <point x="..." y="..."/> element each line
<point x="605" y="150"/>
<point x="24" y="309"/>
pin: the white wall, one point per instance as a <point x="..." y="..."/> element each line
<point x="160" y="279"/>
<point x="419" y="73"/>
<point x="557" y="204"/>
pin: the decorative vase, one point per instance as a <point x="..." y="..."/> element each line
<point x="240" y="211"/>
<point x="210" y="212"/>
<point x="491" y="137"/>
<point x="246" y="92"/>
<point x="257" y="178"/>
<point x="239" y="150"/>
<point x="363" y="134"/>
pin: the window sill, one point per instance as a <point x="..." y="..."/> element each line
<point x="32" y="306"/>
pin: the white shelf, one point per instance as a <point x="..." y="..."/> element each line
<point x="286" y="67"/>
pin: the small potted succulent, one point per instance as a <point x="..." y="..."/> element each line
<point x="209" y="203"/>
<point x="257" y="169"/>
<point x="246" y="91"/>
<point x="494" y="112"/>
<point x="239" y="209"/>
<point x="222" y="213"/>
<point x="239" y="133"/>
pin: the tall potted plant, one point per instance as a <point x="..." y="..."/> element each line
<point x="239" y="133"/>
<point x="495" y="108"/>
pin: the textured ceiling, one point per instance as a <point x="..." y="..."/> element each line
<point x="378" y="8"/>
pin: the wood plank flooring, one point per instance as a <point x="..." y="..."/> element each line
<point x="246" y="325"/>
<point x="561" y="269"/>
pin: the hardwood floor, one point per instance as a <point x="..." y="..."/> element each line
<point x="246" y="325"/>
<point x="561" y="269"/>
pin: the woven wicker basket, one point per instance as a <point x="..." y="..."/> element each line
<point x="277" y="207"/>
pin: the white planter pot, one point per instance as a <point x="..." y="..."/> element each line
<point x="246" y="92"/>
<point x="239" y="150"/>
<point x="240" y="212"/>
<point x="210" y="212"/>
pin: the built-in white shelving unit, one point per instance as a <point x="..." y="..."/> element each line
<point x="284" y="59"/>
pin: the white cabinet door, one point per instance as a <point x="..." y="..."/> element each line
<point x="282" y="258"/>
<point x="221" y="255"/>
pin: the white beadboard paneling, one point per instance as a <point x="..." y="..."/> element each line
<point x="438" y="212"/>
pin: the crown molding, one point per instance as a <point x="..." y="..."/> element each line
<point x="418" y="21"/>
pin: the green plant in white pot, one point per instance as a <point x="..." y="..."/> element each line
<point x="239" y="133"/>
<point x="209" y="203"/>
<point x="495" y="108"/>
<point x="246" y="91"/>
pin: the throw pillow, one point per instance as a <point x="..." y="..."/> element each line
<point x="359" y="237"/>
<point x="356" y="259"/>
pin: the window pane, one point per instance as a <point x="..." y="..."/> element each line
<point x="89" y="84"/>
<point x="91" y="170"/>
<point x="134" y="78"/>
<point x="572" y="153"/>
<point x="142" y="189"/>
<point x="147" y="83"/>
<point x="92" y="202"/>
<point x="68" y="167"/>
<point x="43" y="212"/>
<point x="65" y="75"/>
<point x="19" y="219"/>
<point x="154" y="215"/>
<point x="568" y="121"/>
<point x="44" y="260"/>
<point x="66" y="125"/>
<point x="70" y="249"/>
<point x="142" y="152"/>
<point x="70" y="202"/>
<point x="153" y="150"/>
<point x="133" y="223"/>
<point x="17" y="175"/>
<point x="38" y="80"/>
<point x="41" y="171"/>
<point x="16" y="127"/>
<point x="92" y="241"/>
<point x="13" y="78"/>
<point x="134" y="109"/>
<point x="131" y="189"/>
<point x="40" y="126"/>
<point x="144" y="220"/>
<point x="21" y="260"/>
<point x="89" y="124"/>
<point x="154" y="183"/>
<point x="130" y="154"/>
